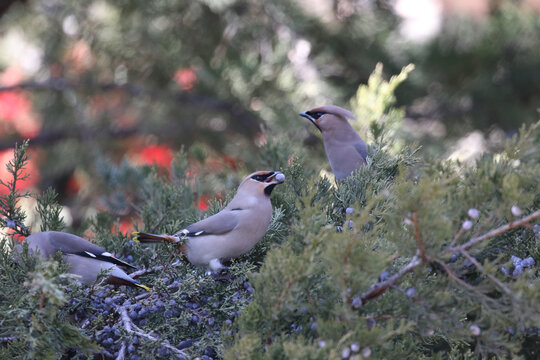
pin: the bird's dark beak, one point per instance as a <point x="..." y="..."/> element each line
<point x="303" y="114"/>
<point x="275" y="179"/>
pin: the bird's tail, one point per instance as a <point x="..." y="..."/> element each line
<point x="143" y="287"/>
<point x="152" y="238"/>
<point x="124" y="279"/>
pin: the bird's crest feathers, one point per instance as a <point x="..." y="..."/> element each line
<point x="336" y="110"/>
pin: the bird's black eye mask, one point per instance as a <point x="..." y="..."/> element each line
<point x="315" y="115"/>
<point x="262" y="177"/>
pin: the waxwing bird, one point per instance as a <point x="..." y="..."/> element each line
<point x="84" y="258"/>
<point x="345" y="149"/>
<point x="231" y="232"/>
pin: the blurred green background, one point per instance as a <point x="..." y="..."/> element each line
<point x="133" y="82"/>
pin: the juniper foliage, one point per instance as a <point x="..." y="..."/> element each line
<point x="424" y="267"/>
<point x="415" y="272"/>
<point x="11" y="216"/>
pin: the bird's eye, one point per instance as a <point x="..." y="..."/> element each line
<point x="261" y="177"/>
<point x="316" y="115"/>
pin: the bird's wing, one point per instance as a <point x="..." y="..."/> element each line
<point x="71" y="244"/>
<point x="361" y="148"/>
<point x="220" y="223"/>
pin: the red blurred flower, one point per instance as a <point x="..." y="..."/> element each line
<point x="73" y="185"/>
<point x="17" y="237"/>
<point x="185" y="78"/>
<point x="229" y="160"/>
<point x="161" y="155"/>
<point x="203" y="203"/>
<point x="13" y="106"/>
<point x="11" y="76"/>
<point x="126" y="227"/>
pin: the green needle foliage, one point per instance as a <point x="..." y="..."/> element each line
<point x="11" y="215"/>
<point x="316" y="296"/>
<point x="422" y="269"/>
<point x="406" y="258"/>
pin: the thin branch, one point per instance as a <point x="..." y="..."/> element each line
<point x="285" y="290"/>
<point x="122" y="352"/>
<point x="458" y="235"/>
<point x="418" y="236"/>
<point x="158" y="223"/>
<point x="148" y="293"/>
<point x="421" y="302"/>
<point x="52" y="136"/>
<point x="511" y="225"/>
<point x="491" y="277"/>
<point x="456" y="278"/>
<point x="153" y="269"/>
<point x="244" y="117"/>
<point x="131" y="328"/>
<point x="379" y="288"/>
<point x="9" y="338"/>
<point x="107" y="354"/>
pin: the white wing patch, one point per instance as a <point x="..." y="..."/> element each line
<point x="108" y="254"/>
<point x="183" y="232"/>
<point x="89" y="253"/>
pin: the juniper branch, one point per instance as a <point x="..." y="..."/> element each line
<point x="14" y="216"/>
<point x="418" y="236"/>
<point x="456" y="278"/>
<point x="8" y="338"/>
<point x="491" y="277"/>
<point x="122" y="352"/>
<point x="153" y="269"/>
<point x="490" y="234"/>
<point x="131" y="328"/>
<point x="379" y="288"/>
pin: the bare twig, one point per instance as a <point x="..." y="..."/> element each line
<point x="86" y="323"/>
<point x="379" y="288"/>
<point x="122" y="352"/>
<point x="284" y="291"/>
<point x="156" y="225"/>
<point x="153" y="269"/>
<point x="455" y="277"/>
<point x="511" y="225"/>
<point x="9" y="338"/>
<point x="131" y="328"/>
<point x="247" y="120"/>
<point x="418" y="236"/>
<point x="52" y="136"/>
<point x="491" y="277"/>
<point x="148" y="293"/>
<point x="458" y="235"/>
